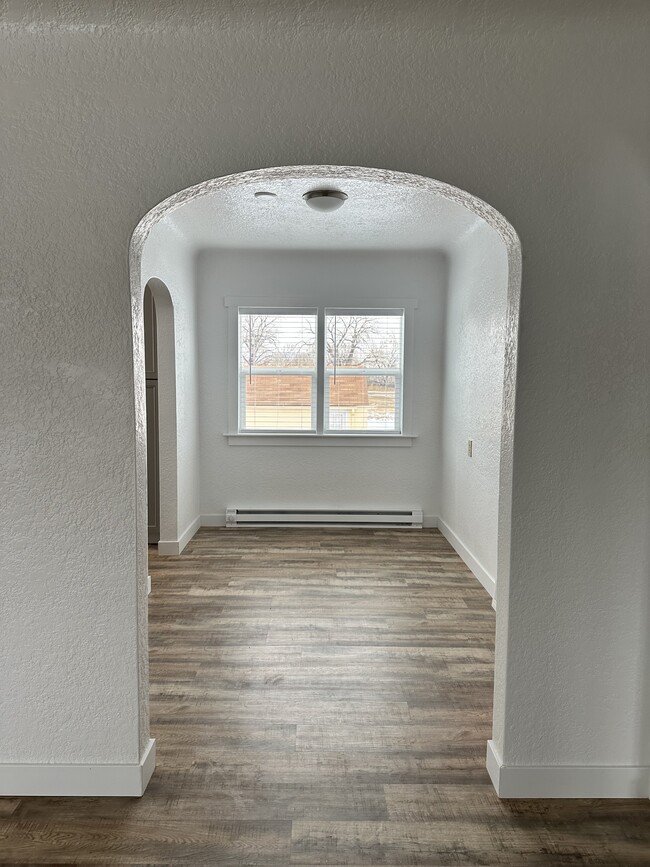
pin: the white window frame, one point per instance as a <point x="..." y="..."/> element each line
<point x="320" y="437"/>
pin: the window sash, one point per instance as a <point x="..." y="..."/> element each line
<point x="364" y="431"/>
<point x="266" y="371"/>
<point x="336" y="371"/>
<point x="276" y="406"/>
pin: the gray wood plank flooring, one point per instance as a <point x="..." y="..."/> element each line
<point x="321" y="697"/>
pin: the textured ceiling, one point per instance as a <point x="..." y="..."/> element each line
<point x="377" y="215"/>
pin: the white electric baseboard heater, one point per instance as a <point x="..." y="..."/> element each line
<point x="323" y="518"/>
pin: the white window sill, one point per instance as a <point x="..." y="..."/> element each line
<point x="308" y="439"/>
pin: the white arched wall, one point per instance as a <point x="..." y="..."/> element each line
<point x="158" y="245"/>
<point x="167" y="266"/>
<point x="472" y="406"/>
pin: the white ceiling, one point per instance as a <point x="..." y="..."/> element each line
<point x="377" y="215"/>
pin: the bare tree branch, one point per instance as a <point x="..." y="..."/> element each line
<point x="258" y="338"/>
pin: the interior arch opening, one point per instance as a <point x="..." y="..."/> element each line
<point x="396" y="242"/>
<point x="160" y="375"/>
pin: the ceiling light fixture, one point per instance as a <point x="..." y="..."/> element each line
<point x="264" y="196"/>
<point x="325" y="200"/>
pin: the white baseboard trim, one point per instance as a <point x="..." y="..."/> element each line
<point x="468" y="558"/>
<point x="561" y="781"/>
<point x="213" y="520"/>
<point x="173" y="547"/>
<point x="189" y="533"/>
<point x="430" y="521"/>
<point x="83" y="781"/>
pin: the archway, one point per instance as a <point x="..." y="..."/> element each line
<point x="429" y="191"/>
<point x="166" y="375"/>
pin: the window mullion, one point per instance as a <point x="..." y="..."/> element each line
<point x="320" y="372"/>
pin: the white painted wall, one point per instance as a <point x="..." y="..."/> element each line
<point x="317" y="476"/>
<point x="168" y="256"/>
<point x="473" y="392"/>
<point x="540" y="109"/>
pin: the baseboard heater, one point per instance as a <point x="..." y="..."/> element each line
<point x="323" y="518"/>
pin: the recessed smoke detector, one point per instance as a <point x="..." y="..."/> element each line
<point x="325" y="200"/>
<point x="264" y="195"/>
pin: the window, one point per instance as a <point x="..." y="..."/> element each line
<point x="328" y="371"/>
<point x="277" y="369"/>
<point x="363" y="378"/>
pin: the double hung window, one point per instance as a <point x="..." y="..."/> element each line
<point x="327" y="371"/>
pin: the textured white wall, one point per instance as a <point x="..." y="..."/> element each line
<point x="473" y="392"/>
<point x="317" y="476"/>
<point x="540" y="109"/>
<point x="168" y="256"/>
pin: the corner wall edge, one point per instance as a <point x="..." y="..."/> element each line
<point x="174" y="547"/>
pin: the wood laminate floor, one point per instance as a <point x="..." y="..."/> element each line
<point x="321" y="697"/>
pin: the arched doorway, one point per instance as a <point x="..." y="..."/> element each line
<point x="374" y="184"/>
<point x="160" y="373"/>
<point x="153" y="432"/>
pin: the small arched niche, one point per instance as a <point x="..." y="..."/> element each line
<point x="383" y="208"/>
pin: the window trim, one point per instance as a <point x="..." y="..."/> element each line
<point x="312" y="439"/>
<point x="316" y="438"/>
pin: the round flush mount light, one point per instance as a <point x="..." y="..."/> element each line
<point x="325" y="200"/>
<point x="264" y="196"/>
